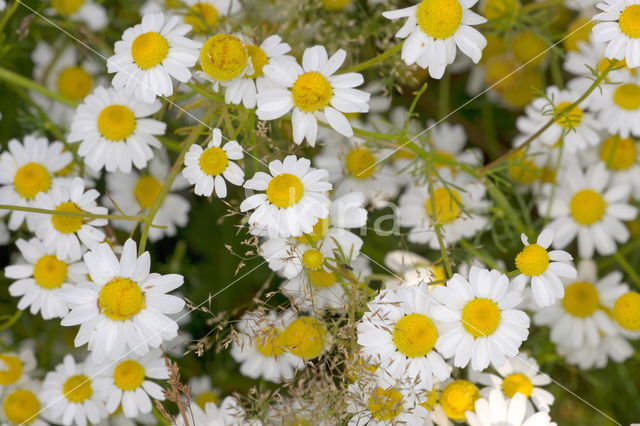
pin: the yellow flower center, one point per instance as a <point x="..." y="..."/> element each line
<point x="21" y="407"/>
<point x="481" y="317"/>
<point x="77" y="388"/>
<point x="214" y="161"/>
<point x="494" y="9"/>
<point x="319" y="230"/>
<point x="285" y="190"/>
<point x="116" y="122"/>
<point x="415" y="335"/>
<point x="627" y="96"/>
<point x="67" y="224"/>
<point x="626" y="311"/>
<point x="529" y="80"/>
<point x="581" y="299"/>
<point x="385" y="404"/>
<point x="305" y="337"/>
<point x="439" y="18"/>
<point x="121" y="299"/>
<point x="74" y="83"/>
<point x="149" y="50"/>
<point x="31" y="179"/>
<point x="618" y="153"/>
<point x="322" y="278"/>
<point x="67" y="7"/>
<point x="630" y="21"/>
<point x="128" y="375"/>
<point x="312" y="259"/>
<point x="202" y="16"/>
<point x="533" y="260"/>
<point x="147" y="190"/>
<point x="204" y="398"/>
<point x="587" y="207"/>
<point x="524" y="171"/>
<point x="270" y="343"/>
<point x="335" y="5"/>
<point x="50" y="272"/>
<point x="517" y="382"/>
<point x="13" y="370"/>
<point x="360" y="163"/>
<point x="258" y="59"/>
<point x="568" y="119"/>
<point x="499" y="72"/>
<point x="447" y="203"/>
<point x="578" y="31"/>
<point x="431" y="401"/>
<point x="529" y="48"/>
<point x="439" y="274"/>
<point x="605" y="63"/>
<point x="311" y="92"/>
<point x="224" y="57"/>
<point x="459" y="396"/>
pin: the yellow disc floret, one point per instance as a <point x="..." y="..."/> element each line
<point x="224" y="57"/>
<point x="494" y="9"/>
<point x="77" y="388"/>
<point x="31" y="179"/>
<point x="630" y="21"/>
<point x="116" y="122"/>
<point x="121" y="299"/>
<point x="415" y="335"/>
<point x="517" y="382"/>
<point x="258" y="59"/>
<point x="214" y="161"/>
<point x="74" y="83"/>
<point x="360" y="163"/>
<point x="439" y="19"/>
<point x="447" y="205"/>
<point x="457" y="398"/>
<point x="147" y="190"/>
<point x="385" y="404"/>
<point x="285" y="190"/>
<point x="67" y="224"/>
<point x="581" y="299"/>
<point x="481" y="317"/>
<point x="311" y="92"/>
<point x="529" y="48"/>
<point x="627" y="96"/>
<point x="21" y="407"/>
<point x="305" y="337"/>
<point x="202" y="16"/>
<point x="67" y="7"/>
<point x="50" y="272"/>
<point x="270" y="343"/>
<point x="533" y="260"/>
<point x="618" y="153"/>
<point x="312" y="259"/>
<point x="568" y="119"/>
<point x="319" y="230"/>
<point x="587" y="207"/>
<point x="202" y="399"/>
<point x="11" y="371"/>
<point x="335" y="5"/>
<point x="128" y="375"/>
<point x="322" y="278"/>
<point x="149" y="50"/>
<point x="626" y="311"/>
<point x="578" y="31"/>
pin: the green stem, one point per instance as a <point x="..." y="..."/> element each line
<point x="64" y="213"/>
<point x="480" y="254"/>
<point x="622" y="261"/>
<point x="11" y="77"/>
<point x="375" y="60"/>
<point x="8" y="13"/>
<point x="503" y="203"/>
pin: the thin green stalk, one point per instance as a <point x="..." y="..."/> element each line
<point x="17" y="79"/>
<point x="480" y="254"/>
<point x="77" y="214"/>
<point x="375" y="60"/>
<point x="622" y="261"/>
<point x="437" y="228"/>
<point x="503" y="203"/>
<point x="8" y="13"/>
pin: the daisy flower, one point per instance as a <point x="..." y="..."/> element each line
<point x="293" y="201"/>
<point x="618" y="105"/>
<point x="260" y="349"/>
<point x="26" y="170"/>
<point x="149" y="54"/>
<point x="306" y="337"/>
<point x="204" y="15"/>
<point x="208" y="168"/>
<point x="16" y="367"/>
<point x="202" y="392"/>
<point x="577" y="128"/>
<point x="125" y="307"/>
<point x="135" y="193"/>
<point x="589" y="56"/>
<point x="224" y="58"/>
<point x="70" y="396"/>
<point x="355" y="167"/>
<point x="65" y="234"/>
<point x="619" y="27"/>
<point x="435" y="29"/>
<point x="246" y="88"/>
<point x="314" y="93"/>
<point x="42" y="277"/>
<point x="399" y="334"/>
<point x="544" y="268"/>
<point x="229" y="413"/>
<point x="410" y="269"/>
<point x="508" y="412"/>
<point x="588" y="356"/>
<point x="483" y="326"/>
<point x="587" y="205"/>
<point x="460" y="213"/>
<point x="86" y="11"/>
<point x="621" y="157"/>
<point x="450" y="400"/>
<point x="21" y="405"/>
<point x="114" y="130"/>
<point x="126" y="383"/>
<point x="520" y="375"/>
<point x="581" y="316"/>
<point x="626" y="313"/>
